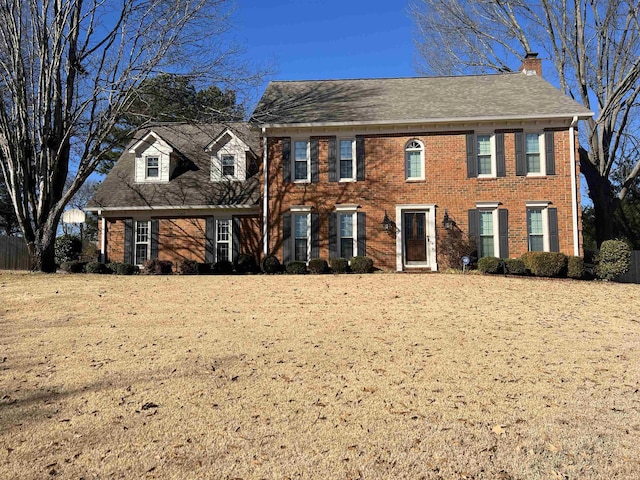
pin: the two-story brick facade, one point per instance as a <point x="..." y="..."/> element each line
<point x="373" y="167"/>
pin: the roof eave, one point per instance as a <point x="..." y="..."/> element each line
<point x="169" y="207"/>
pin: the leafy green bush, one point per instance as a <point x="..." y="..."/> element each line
<point x="153" y="266"/>
<point x="96" y="267"/>
<point x="614" y="259"/>
<point x="245" y="263"/>
<point x="296" y="268"/>
<point x="490" y="265"/>
<point x="575" y="267"/>
<point x="73" y="266"/>
<point x="125" y="269"/>
<point x="222" y="267"/>
<point x="339" y="265"/>
<point x="188" y="267"/>
<point x="515" y="266"/>
<point x="271" y="264"/>
<point x="318" y="265"/>
<point x="361" y="264"/>
<point x="67" y="248"/>
<point x="546" y="264"/>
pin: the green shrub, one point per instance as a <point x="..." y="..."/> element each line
<point x="73" y="266"/>
<point x="271" y="264"/>
<point x="96" y="267"/>
<point x="614" y="259"/>
<point x="126" y="269"/>
<point x="575" y="267"/>
<point x="339" y="265"/>
<point x="515" y="266"/>
<point x="490" y="265"/>
<point x="318" y="266"/>
<point x="546" y="264"/>
<point x="153" y="266"/>
<point x="296" y="268"/>
<point x="361" y="264"/>
<point x="245" y="263"/>
<point x="204" y="268"/>
<point x="188" y="267"/>
<point x="222" y="267"/>
<point x="67" y="248"/>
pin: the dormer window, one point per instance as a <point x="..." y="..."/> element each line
<point x="152" y="167"/>
<point x="228" y="165"/>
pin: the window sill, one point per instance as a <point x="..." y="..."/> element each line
<point x="347" y="180"/>
<point x="301" y="181"/>
<point x="415" y="180"/>
<point x="536" y="175"/>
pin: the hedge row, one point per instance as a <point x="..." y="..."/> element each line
<point x="539" y="264"/>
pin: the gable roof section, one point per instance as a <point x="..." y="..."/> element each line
<point x="191" y="185"/>
<point x="413" y="100"/>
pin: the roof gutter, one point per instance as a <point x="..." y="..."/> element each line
<point x="100" y="210"/>
<point x="265" y="195"/>
<point x="574" y="185"/>
<point x="583" y="115"/>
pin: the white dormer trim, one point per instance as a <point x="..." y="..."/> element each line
<point x="227" y="145"/>
<point x="227" y="131"/>
<point x="150" y="139"/>
<point x="152" y="146"/>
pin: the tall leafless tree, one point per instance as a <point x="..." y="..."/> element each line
<point x="67" y="72"/>
<point x="594" y="47"/>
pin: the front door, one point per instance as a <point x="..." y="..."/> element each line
<point x="415" y="238"/>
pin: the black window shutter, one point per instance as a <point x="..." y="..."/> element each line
<point x="155" y="227"/>
<point x="554" y="239"/>
<point x="333" y="161"/>
<point x="362" y="234"/>
<point x="503" y="232"/>
<point x="474" y="228"/>
<point x="501" y="168"/>
<point x="333" y="235"/>
<point x="472" y="158"/>
<point x="128" y="240"/>
<point x="315" y="235"/>
<point x="235" y="238"/>
<point x="210" y="240"/>
<point x="549" y="153"/>
<point x="286" y="238"/>
<point x="315" y="164"/>
<point x="521" y="160"/>
<point x="286" y="159"/>
<point x="360" y="167"/>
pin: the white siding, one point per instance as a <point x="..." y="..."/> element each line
<point x="229" y="145"/>
<point x="157" y="148"/>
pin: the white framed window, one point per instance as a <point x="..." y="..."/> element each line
<point x="534" y="151"/>
<point x="301" y="160"/>
<point x="414" y="160"/>
<point x="486" y="155"/>
<point x="346" y="235"/>
<point x="152" y="167"/>
<point x="538" y="226"/>
<point x="301" y="236"/>
<point x="143" y="241"/>
<point x="223" y="239"/>
<point x="228" y="163"/>
<point x="488" y="229"/>
<point x="347" y="159"/>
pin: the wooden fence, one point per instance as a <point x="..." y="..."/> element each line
<point x="633" y="275"/>
<point x="14" y="254"/>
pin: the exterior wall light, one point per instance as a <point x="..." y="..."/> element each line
<point x="447" y="222"/>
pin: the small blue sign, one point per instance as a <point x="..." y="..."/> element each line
<point x="466" y="260"/>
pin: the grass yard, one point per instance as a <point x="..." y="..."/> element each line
<point x="345" y="377"/>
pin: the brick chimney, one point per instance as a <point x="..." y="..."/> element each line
<point x="532" y="65"/>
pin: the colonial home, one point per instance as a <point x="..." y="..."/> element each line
<point x="392" y="168"/>
<point x="396" y="169"/>
<point x="182" y="191"/>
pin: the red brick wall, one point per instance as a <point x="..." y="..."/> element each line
<point x="446" y="185"/>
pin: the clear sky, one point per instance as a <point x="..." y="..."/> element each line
<point x="321" y="39"/>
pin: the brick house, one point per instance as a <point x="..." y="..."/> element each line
<point x="396" y="169"/>
<point x="400" y="170"/>
<point x="182" y="191"/>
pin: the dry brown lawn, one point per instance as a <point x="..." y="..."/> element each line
<point x="379" y="376"/>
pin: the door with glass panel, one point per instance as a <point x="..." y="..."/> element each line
<point x="414" y="226"/>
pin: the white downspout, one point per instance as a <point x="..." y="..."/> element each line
<point x="265" y="195"/>
<point x="103" y="238"/>
<point x="574" y="186"/>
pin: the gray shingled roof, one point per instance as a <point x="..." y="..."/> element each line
<point x="395" y="100"/>
<point x="190" y="185"/>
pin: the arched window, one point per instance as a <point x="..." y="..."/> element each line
<point x="414" y="160"/>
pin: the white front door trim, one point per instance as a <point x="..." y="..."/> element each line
<point x="430" y="211"/>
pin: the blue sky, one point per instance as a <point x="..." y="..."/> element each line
<point x="320" y="39"/>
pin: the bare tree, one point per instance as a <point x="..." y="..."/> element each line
<point x="67" y="72"/>
<point x="595" y="49"/>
